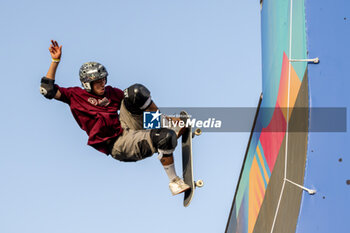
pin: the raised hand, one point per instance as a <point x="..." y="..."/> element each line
<point x="55" y="50"/>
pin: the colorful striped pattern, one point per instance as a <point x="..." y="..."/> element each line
<point x="270" y="129"/>
<point x="269" y="144"/>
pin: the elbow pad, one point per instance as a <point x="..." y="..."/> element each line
<point x="47" y="88"/>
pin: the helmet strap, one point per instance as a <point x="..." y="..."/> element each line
<point x="87" y="86"/>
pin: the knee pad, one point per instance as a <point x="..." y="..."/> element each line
<point x="164" y="140"/>
<point x="137" y="98"/>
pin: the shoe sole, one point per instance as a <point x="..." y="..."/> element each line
<point x="181" y="191"/>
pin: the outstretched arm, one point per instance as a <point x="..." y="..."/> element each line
<point x="48" y="82"/>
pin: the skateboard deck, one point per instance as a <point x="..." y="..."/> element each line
<point x="187" y="160"/>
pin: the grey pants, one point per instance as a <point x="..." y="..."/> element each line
<point x="135" y="143"/>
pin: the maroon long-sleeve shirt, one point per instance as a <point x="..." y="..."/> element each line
<point x="96" y="115"/>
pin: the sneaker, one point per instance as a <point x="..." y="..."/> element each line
<point x="177" y="186"/>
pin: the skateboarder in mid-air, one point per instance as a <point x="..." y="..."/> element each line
<point x="95" y="108"/>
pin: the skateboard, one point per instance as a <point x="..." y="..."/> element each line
<point x="187" y="160"/>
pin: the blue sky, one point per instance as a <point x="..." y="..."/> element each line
<point x="188" y="53"/>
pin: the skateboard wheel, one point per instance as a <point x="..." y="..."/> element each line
<point x="198" y="132"/>
<point x="199" y="183"/>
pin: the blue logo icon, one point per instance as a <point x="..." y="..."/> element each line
<point x="151" y="120"/>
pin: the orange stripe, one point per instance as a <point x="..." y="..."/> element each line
<point x="256" y="194"/>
